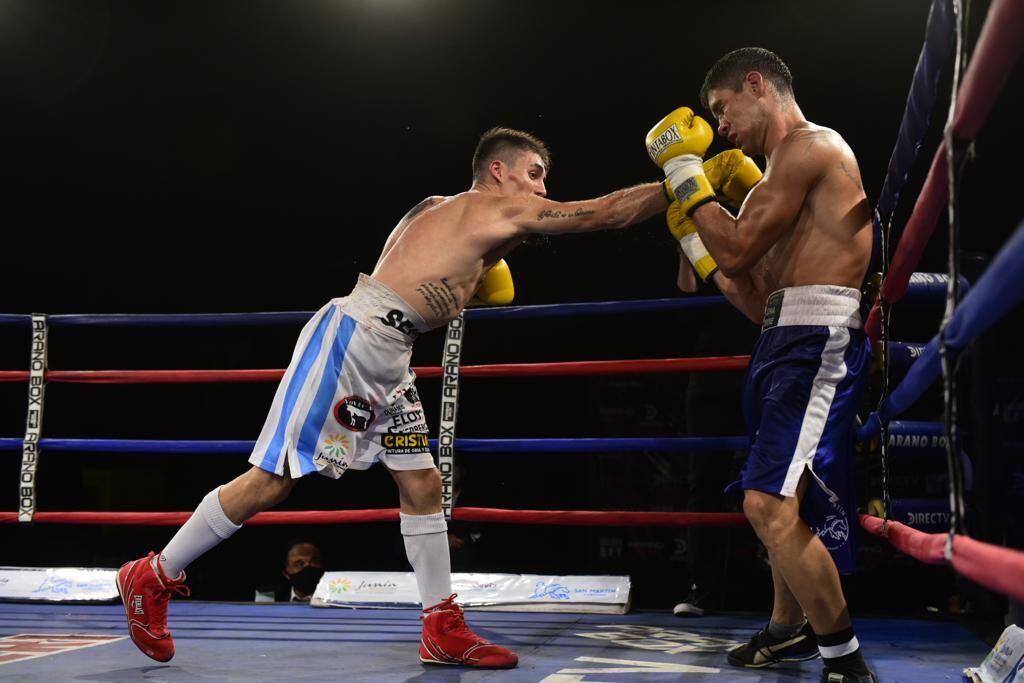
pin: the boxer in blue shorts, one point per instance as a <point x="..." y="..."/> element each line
<point x="793" y="259"/>
<point x="348" y="398"/>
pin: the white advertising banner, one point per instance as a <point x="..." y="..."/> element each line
<point x="510" y="592"/>
<point x="1005" y="663"/>
<point x="58" y="584"/>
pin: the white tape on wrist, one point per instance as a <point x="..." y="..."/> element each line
<point x="680" y="169"/>
<point x="693" y="247"/>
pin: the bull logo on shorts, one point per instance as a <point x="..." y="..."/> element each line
<point x="354" y="413"/>
<point x="834" y="532"/>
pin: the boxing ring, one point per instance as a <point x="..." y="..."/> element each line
<point x="235" y="642"/>
<point x="256" y="642"/>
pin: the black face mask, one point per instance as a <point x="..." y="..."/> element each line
<point x="305" y="580"/>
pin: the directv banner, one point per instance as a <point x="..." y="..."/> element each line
<point x="58" y="584"/>
<point x="924" y="514"/>
<point x="516" y="592"/>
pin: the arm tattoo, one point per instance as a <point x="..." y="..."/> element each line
<point x="425" y="204"/>
<point x="849" y="175"/>
<point x="564" y="214"/>
<point x="809" y="137"/>
<point x="439" y="297"/>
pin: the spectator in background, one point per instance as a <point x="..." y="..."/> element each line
<point x="302" y="568"/>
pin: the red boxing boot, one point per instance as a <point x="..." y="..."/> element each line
<point x="145" y="594"/>
<point x="447" y="640"/>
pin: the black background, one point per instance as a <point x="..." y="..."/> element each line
<point x="253" y="156"/>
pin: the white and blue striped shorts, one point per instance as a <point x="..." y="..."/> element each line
<point x="348" y="398"/>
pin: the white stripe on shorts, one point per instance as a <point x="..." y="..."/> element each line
<point x="830" y="373"/>
<point x="292" y="400"/>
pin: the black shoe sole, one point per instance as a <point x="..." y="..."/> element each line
<point x="780" y="660"/>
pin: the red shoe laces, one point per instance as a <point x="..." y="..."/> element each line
<point x="162" y="596"/>
<point x="162" y="599"/>
<point x="457" y="625"/>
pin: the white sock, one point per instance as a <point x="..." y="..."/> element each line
<point x="207" y="527"/>
<point x="426" y="546"/>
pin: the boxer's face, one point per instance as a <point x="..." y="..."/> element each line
<point x="740" y="117"/>
<point x="526" y="175"/>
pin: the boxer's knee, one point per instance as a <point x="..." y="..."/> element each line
<point x="276" y="488"/>
<point x="255" y="491"/>
<point x="772" y="516"/>
<point x="419" y="490"/>
<point x="267" y="489"/>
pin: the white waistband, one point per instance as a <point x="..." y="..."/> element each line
<point x="377" y="305"/>
<point x="824" y="305"/>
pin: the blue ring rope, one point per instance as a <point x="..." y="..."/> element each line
<point x="999" y="290"/>
<point x="586" y="445"/>
<point x="926" y="287"/>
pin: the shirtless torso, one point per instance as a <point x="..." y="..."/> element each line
<point x="830" y="239"/>
<point x="437" y="255"/>
<point x="806" y="223"/>
<point x="438" y="282"/>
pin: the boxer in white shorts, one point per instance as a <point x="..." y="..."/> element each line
<point x="348" y="397"/>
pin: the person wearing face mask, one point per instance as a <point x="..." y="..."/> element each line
<point x="302" y="567"/>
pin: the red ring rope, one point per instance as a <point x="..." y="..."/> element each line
<point x="997" y="568"/>
<point x="589" y="367"/>
<point x="468" y="514"/>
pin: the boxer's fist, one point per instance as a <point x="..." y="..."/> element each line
<point x="496" y="289"/>
<point x="680" y="133"/>
<point x="732" y="174"/>
<point x="684" y="230"/>
<point x="676" y="144"/>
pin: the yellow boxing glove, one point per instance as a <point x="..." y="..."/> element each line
<point x="684" y="229"/>
<point x="732" y="174"/>
<point x="496" y="289"/>
<point x="676" y="144"/>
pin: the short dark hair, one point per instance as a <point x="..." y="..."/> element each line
<point x="497" y="142"/>
<point x="292" y="542"/>
<point x="730" y="70"/>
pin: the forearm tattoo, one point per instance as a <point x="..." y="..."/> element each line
<point x="564" y="214"/>
<point x="440" y="297"/>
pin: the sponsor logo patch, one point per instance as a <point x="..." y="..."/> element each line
<point x="354" y="413"/>
<point x="407" y="421"/>
<point x="336" y="445"/>
<point x="396" y="319"/>
<point x="401" y="444"/>
<point x="834" y="532"/>
<point x="772" y="310"/>
<point x="333" y="453"/>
